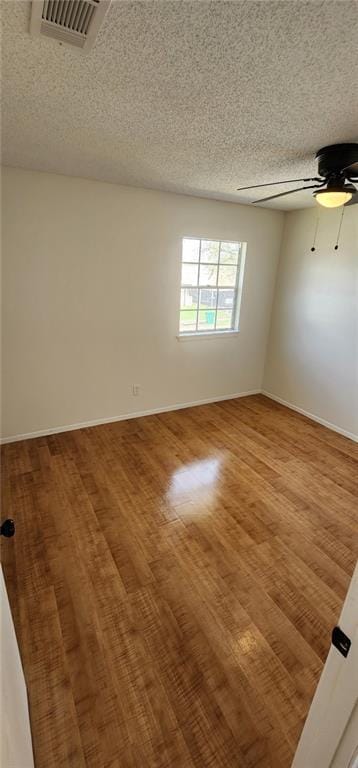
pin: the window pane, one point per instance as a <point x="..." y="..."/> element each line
<point x="227" y="275"/>
<point x="189" y="274"/>
<point x="210" y="251"/>
<point x="206" y="320"/>
<point x="226" y="298"/>
<point x="190" y="249"/>
<point x="209" y="285"/>
<point x="208" y="298"/>
<point x="189" y="298"/>
<point x="208" y="273"/>
<point x="229" y="253"/>
<point x="224" y="319"/>
<point x="187" y="320"/>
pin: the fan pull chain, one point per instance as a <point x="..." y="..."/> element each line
<point x="339" y="229"/>
<point x="315" y="233"/>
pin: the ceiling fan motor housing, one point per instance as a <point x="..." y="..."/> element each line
<point x="336" y="160"/>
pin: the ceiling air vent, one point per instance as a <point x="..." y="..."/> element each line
<point x="74" y="22"/>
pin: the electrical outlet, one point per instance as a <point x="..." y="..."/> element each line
<point x="135" y="390"/>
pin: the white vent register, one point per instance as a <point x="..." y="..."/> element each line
<point x="73" y="22"/>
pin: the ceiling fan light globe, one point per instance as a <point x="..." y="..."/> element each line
<point x="333" y="198"/>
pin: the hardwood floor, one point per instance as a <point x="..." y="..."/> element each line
<point x="174" y="581"/>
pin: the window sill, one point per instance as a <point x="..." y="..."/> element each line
<point x="207" y="335"/>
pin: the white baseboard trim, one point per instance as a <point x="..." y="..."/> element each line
<point x="309" y="415"/>
<point x="176" y="407"/>
<point x="124" y="417"/>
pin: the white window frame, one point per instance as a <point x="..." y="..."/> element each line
<point x="217" y="332"/>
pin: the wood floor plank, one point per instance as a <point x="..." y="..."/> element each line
<point x="52" y="704"/>
<point x="174" y="581"/>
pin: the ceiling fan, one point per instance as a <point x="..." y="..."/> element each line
<point x="337" y="169"/>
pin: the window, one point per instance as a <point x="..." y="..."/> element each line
<point x="210" y="286"/>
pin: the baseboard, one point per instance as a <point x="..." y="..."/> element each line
<point x="312" y="416"/>
<point x="123" y="417"/>
<point x="176" y="407"/>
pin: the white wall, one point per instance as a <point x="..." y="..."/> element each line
<point x="91" y="276"/>
<point x="312" y="356"/>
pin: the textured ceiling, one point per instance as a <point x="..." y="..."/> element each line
<point x="195" y="97"/>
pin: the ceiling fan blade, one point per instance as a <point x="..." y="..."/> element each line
<point x="283" y="194"/>
<point x="273" y="183"/>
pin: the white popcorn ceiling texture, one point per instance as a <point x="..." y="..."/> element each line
<point x="194" y="97"/>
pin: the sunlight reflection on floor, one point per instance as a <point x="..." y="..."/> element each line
<point x="195" y="484"/>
